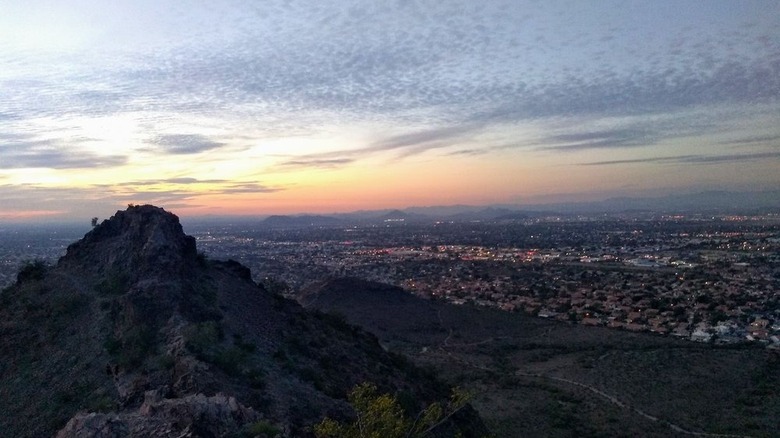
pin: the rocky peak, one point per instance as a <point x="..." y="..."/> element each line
<point x="142" y="239"/>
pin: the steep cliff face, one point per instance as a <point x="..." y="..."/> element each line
<point x="133" y="333"/>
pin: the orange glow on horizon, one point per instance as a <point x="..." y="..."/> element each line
<point x="20" y="215"/>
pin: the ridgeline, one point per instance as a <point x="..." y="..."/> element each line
<point x="134" y="333"/>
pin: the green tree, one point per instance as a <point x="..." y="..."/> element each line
<point x="381" y="416"/>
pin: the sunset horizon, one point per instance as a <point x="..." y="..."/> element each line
<point x="230" y="109"/>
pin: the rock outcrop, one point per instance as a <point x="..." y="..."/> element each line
<point x="190" y="416"/>
<point x="141" y="241"/>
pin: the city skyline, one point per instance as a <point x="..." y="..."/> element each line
<point x="226" y="107"/>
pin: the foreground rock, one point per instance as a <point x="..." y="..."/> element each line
<point x="194" y="415"/>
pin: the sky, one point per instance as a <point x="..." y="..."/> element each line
<point x="226" y="107"/>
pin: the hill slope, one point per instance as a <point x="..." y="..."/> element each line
<point x="133" y="333"/>
<point x="541" y="378"/>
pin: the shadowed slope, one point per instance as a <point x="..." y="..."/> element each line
<point x="539" y="378"/>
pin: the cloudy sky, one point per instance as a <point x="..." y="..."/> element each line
<point x="241" y="107"/>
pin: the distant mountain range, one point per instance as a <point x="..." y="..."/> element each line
<point x="299" y="221"/>
<point x="712" y="202"/>
<point x="703" y="202"/>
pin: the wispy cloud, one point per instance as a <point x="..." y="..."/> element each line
<point x="403" y="145"/>
<point x="759" y="139"/>
<point x="178" y="181"/>
<point x="186" y="180"/>
<point x="617" y="138"/>
<point x="215" y="187"/>
<point x="184" y="144"/>
<point x="39" y="153"/>
<point x="426" y="139"/>
<point x="690" y="159"/>
<point x="707" y="159"/>
<point x="248" y="188"/>
<point x="323" y="163"/>
<point x="469" y="152"/>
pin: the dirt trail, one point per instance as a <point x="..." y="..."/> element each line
<point x="609" y="397"/>
<point x="614" y="400"/>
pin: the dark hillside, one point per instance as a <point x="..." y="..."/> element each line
<point x="133" y="333"/>
<point x="540" y="378"/>
<point x="382" y="308"/>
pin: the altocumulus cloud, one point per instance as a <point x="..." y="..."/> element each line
<point x="463" y="65"/>
<point x="440" y="72"/>
<point x="184" y="143"/>
<point x="23" y="154"/>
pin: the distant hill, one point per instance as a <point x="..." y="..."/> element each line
<point x="134" y="333"/>
<point x="401" y="216"/>
<point x="379" y="307"/>
<point x="539" y="378"/>
<point x="702" y="202"/>
<point x="716" y="202"/>
<point x="489" y="214"/>
<point x="711" y="202"/>
<point x="301" y="221"/>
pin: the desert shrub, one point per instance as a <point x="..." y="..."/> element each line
<point x="166" y="362"/>
<point x="261" y="428"/>
<point x="309" y="374"/>
<point x="138" y="343"/>
<point x="32" y="270"/>
<point x="256" y="378"/>
<point x="67" y="304"/>
<point x="247" y="347"/>
<point x="112" y="345"/>
<point x="275" y="286"/>
<point x="280" y="355"/>
<point x="230" y="360"/>
<point x="201" y="337"/>
<point x="201" y="303"/>
<point x="115" y="283"/>
<point x="336" y="320"/>
<point x="327" y="363"/>
<point x="296" y="345"/>
<point x="206" y="293"/>
<point x="101" y="403"/>
<point x="132" y="347"/>
<point x="202" y="259"/>
<point x="381" y="415"/>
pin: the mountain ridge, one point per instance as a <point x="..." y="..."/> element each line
<point x="706" y="202"/>
<point x="133" y="333"/>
